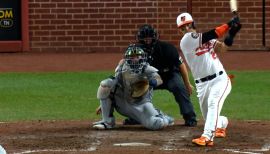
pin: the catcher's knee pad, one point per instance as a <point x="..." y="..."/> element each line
<point x="104" y="88"/>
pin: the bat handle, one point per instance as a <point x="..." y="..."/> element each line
<point x="235" y="13"/>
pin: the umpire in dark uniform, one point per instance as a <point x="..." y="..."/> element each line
<point x="173" y="71"/>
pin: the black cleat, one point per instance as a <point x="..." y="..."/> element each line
<point x="191" y="123"/>
<point x="130" y="121"/>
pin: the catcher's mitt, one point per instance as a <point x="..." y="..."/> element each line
<point x="139" y="88"/>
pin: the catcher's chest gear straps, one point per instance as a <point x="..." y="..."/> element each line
<point x="105" y="88"/>
<point x="119" y="66"/>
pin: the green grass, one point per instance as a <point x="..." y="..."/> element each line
<point x="250" y="96"/>
<point x="61" y="96"/>
<point x="26" y="96"/>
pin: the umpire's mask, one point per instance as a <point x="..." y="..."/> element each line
<point x="147" y="35"/>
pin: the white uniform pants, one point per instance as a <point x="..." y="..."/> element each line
<point x="212" y="95"/>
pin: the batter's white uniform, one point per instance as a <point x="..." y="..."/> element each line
<point x="212" y="82"/>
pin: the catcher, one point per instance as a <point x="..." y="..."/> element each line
<point x="130" y="93"/>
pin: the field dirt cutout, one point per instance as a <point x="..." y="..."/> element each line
<point x="80" y="137"/>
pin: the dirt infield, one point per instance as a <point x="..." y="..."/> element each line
<point x="78" y="137"/>
<point x="250" y="137"/>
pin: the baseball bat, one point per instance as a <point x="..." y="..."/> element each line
<point x="233" y="5"/>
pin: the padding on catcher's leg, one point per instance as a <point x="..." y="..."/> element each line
<point x="103" y="92"/>
<point x="105" y="88"/>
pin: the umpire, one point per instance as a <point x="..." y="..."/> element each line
<point x="173" y="71"/>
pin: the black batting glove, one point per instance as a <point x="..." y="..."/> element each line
<point x="231" y="34"/>
<point x="234" y="21"/>
<point x="235" y="29"/>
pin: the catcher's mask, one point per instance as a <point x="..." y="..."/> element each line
<point x="135" y="58"/>
<point x="147" y="35"/>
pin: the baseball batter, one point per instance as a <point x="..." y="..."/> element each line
<point x="130" y="93"/>
<point x="212" y="82"/>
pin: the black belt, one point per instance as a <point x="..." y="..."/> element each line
<point x="209" y="77"/>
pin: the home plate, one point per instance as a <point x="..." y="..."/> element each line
<point x="131" y="144"/>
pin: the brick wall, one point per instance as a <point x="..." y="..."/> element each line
<point x="267" y="24"/>
<point x="211" y="13"/>
<point x="110" y="25"/>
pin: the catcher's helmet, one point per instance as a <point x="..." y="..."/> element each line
<point x="147" y="31"/>
<point x="135" y="58"/>
<point x="183" y="19"/>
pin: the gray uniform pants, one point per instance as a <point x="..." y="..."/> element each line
<point x="143" y="112"/>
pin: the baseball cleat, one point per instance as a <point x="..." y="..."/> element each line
<point x="170" y="120"/>
<point x="203" y="141"/>
<point x="191" y="123"/>
<point x="103" y="125"/>
<point x="220" y="133"/>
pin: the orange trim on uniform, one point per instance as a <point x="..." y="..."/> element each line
<point x="185" y="22"/>
<point x="221" y="30"/>
<point x="219" y="102"/>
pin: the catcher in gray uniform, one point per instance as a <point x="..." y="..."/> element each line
<point x="130" y="93"/>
